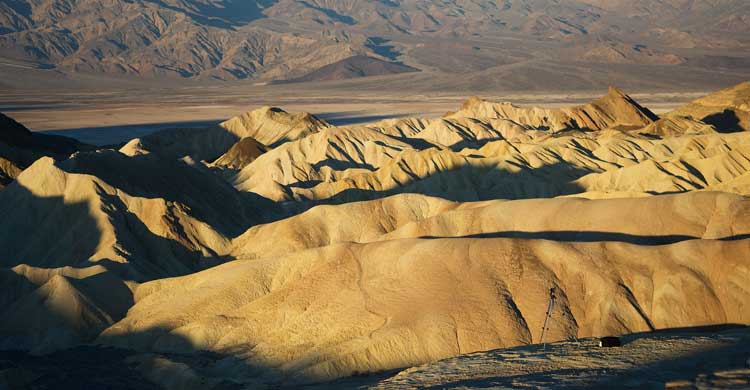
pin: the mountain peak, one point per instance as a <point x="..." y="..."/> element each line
<point x="12" y="132"/>
<point x="273" y="126"/>
<point x="613" y="109"/>
<point x="472" y="101"/>
<point x="616" y="92"/>
<point x="619" y="104"/>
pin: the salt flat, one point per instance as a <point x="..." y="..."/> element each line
<point x="118" y="116"/>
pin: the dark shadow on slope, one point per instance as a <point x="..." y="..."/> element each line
<point x="16" y="135"/>
<point x="12" y="288"/>
<point x="340" y="119"/>
<point x="31" y="221"/>
<point x="50" y="232"/>
<point x="463" y="184"/>
<point x="119" y="298"/>
<point x="380" y="46"/>
<point x="20" y="147"/>
<point x="335" y="16"/>
<point x="73" y="369"/>
<point x="62" y="310"/>
<point x="473" y="183"/>
<point x="594" y="236"/>
<point x="304" y="184"/>
<point x="345" y="118"/>
<point x="107" y="367"/>
<point x="416" y="143"/>
<point x="338" y="165"/>
<point x="200" y="143"/>
<point x="726" y="121"/>
<point x="123" y="362"/>
<point x="582" y="236"/>
<point x="473" y="143"/>
<point x="121" y="134"/>
<point x="22" y="8"/>
<point x="237" y="12"/>
<point x="226" y="14"/>
<point x="28" y="296"/>
<point x="150" y="256"/>
<point x="54" y="232"/>
<point x="208" y="198"/>
<point x="675" y="192"/>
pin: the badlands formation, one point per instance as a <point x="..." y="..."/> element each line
<point x="275" y="248"/>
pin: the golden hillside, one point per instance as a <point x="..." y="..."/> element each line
<point x="277" y="249"/>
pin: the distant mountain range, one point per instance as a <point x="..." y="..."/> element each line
<point x="291" y="39"/>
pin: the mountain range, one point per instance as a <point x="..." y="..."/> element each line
<point x="276" y="40"/>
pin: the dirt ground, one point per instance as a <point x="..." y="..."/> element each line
<point x="697" y="358"/>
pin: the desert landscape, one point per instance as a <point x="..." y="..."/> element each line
<point x="374" y="195"/>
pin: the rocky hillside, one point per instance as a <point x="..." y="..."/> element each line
<point x="276" y="249"/>
<point x="286" y="39"/>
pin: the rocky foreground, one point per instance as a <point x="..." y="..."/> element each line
<point x="698" y="358"/>
<point x="275" y="249"/>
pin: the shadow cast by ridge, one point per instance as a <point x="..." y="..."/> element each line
<point x="726" y="121"/>
<point x="583" y="236"/>
<point x="28" y="222"/>
<point x="346" y="118"/>
<point x="118" y="135"/>
<point x="150" y="176"/>
<point x="596" y="236"/>
<point x="468" y="183"/>
<point x="233" y="13"/>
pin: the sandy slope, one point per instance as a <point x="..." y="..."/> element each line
<point x="282" y="312"/>
<point x="488" y="151"/>
<point x="653" y="220"/>
<point x="77" y="235"/>
<point x="270" y="262"/>
<point x="350" y="308"/>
